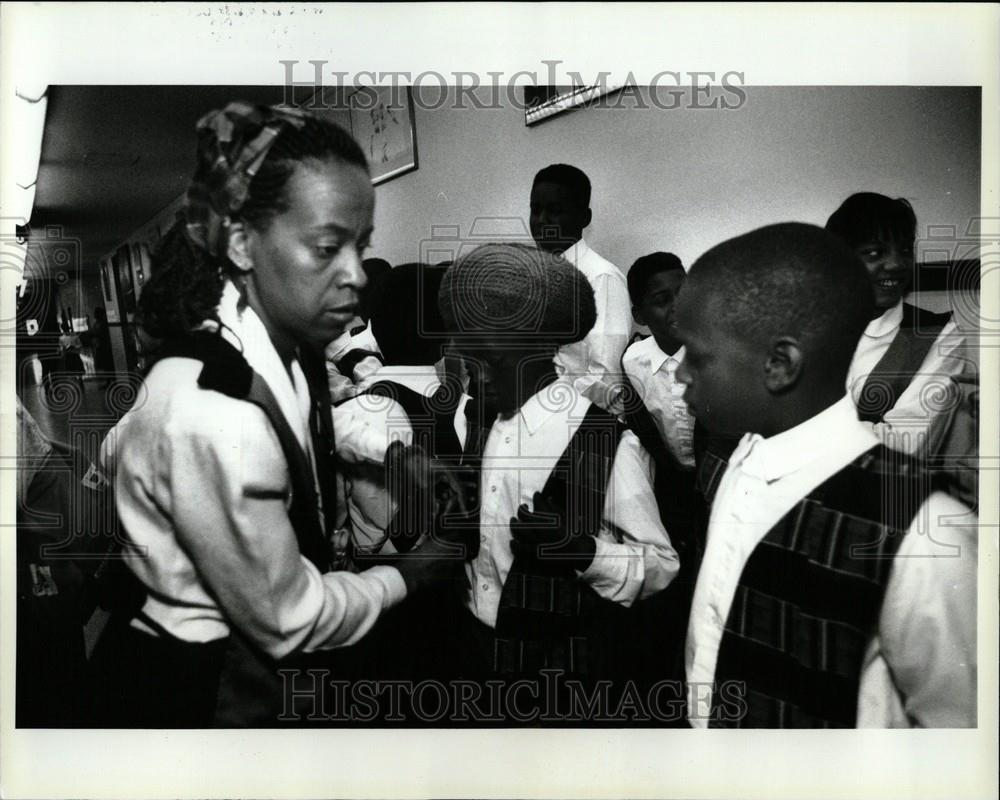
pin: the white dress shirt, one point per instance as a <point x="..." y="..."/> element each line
<point x="344" y="386"/>
<point x="920" y="667"/>
<point x="634" y="557"/>
<point x="364" y="427"/>
<point x="905" y="425"/>
<point x="595" y="361"/>
<point x="203" y="489"/>
<point x="653" y="374"/>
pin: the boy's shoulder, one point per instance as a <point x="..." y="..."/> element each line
<point x="643" y="355"/>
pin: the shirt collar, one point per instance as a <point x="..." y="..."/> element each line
<point x="543" y="405"/>
<point x="338" y="346"/>
<point x="885" y="323"/>
<point x="576" y="251"/>
<point x="834" y="430"/>
<point x="246" y="331"/>
<point x="677" y="357"/>
<point x="420" y="378"/>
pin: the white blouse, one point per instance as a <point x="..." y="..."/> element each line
<point x="202" y="489"/>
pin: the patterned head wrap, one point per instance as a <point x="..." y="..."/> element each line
<point x="517" y="292"/>
<point x="232" y="144"/>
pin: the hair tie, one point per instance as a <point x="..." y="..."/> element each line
<point x="232" y="144"/>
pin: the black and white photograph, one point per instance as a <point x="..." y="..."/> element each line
<point x="394" y="421"/>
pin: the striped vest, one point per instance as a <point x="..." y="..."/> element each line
<point x="809" y="599"/>
<point x="548" y="618"/>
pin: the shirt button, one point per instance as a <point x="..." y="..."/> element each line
<point x="486" y="587"/>
<point x="493" y="488"/>
<point x="506" y="439"/>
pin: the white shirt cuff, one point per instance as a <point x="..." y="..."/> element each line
<point x="392" y="580"/>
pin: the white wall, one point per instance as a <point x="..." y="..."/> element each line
<point x="686" y="179"/>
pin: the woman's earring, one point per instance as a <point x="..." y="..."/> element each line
<point x="240" y="279"/>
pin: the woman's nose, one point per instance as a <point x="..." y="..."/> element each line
<point x="352" y="271"/>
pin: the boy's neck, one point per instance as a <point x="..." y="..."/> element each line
<point x="667" y="345"/>
<point x="533" y="380"/>
<point x="801" y="407"/>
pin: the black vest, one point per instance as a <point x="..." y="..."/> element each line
<point x="547" y="617"/>
<point x="809" y="599"/>
<point x="899" y="364"/>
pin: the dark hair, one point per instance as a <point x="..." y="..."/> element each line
<point x="789" y="279"/>
<point x="569" y="177"/>
<point x="866" y="217"/>
<point x="645" y="268"/>
<point x="186" y="281"/>
<point x="406" y="321"/>
<point x="375" y="270"/>
<point x="318" y="139"/>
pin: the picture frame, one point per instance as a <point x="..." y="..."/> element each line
<point x="382" y="124"/>
<point x="543" y="102"/>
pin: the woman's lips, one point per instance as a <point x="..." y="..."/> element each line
<point x="346" y="313"/>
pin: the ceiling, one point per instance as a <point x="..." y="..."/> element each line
<point x="114" y="156"/>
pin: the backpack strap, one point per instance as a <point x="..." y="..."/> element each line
<point x="899" y="364"/>
<point x="432" y="420"/>
<point x="352" y="358"/>
<point x="227" y="371"/>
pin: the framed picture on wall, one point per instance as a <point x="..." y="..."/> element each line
<point x="382" y="123"/>
<point x="542" y="102"/>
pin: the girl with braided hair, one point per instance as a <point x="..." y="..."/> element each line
<point x="222" y="470"/>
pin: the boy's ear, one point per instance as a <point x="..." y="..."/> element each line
<point x="783" y="367"/>
<point x="586" y="217"/>
<point x="238" y="248"/>
<point x="637" y="316"/>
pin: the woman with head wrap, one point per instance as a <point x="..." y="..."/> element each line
<point x="223" y="476"/>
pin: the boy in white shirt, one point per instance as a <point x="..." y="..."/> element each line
<point x="837" y="587"/>
<point x="560" y="210"/>
<point x="651" y="363"/>
<point x="569" y="531"/>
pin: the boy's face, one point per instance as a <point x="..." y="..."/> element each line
<point x="724" y="386"/>
<point x="496" y="371"/>
<point x="556" y="221"/>
<point x="890" y="267"/>
<point x="656" y="309"/>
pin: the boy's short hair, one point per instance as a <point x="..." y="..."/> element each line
<point x="405" y="318"/>
<point x="569" y="177"/>
<point x="789" y="279"/>
<point x="868" y="216"/>
<point x="645" y="268"/>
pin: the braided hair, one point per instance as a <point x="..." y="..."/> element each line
<point x="186" y="283"/>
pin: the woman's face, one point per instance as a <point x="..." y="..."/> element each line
<point x="306" y="261"/>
